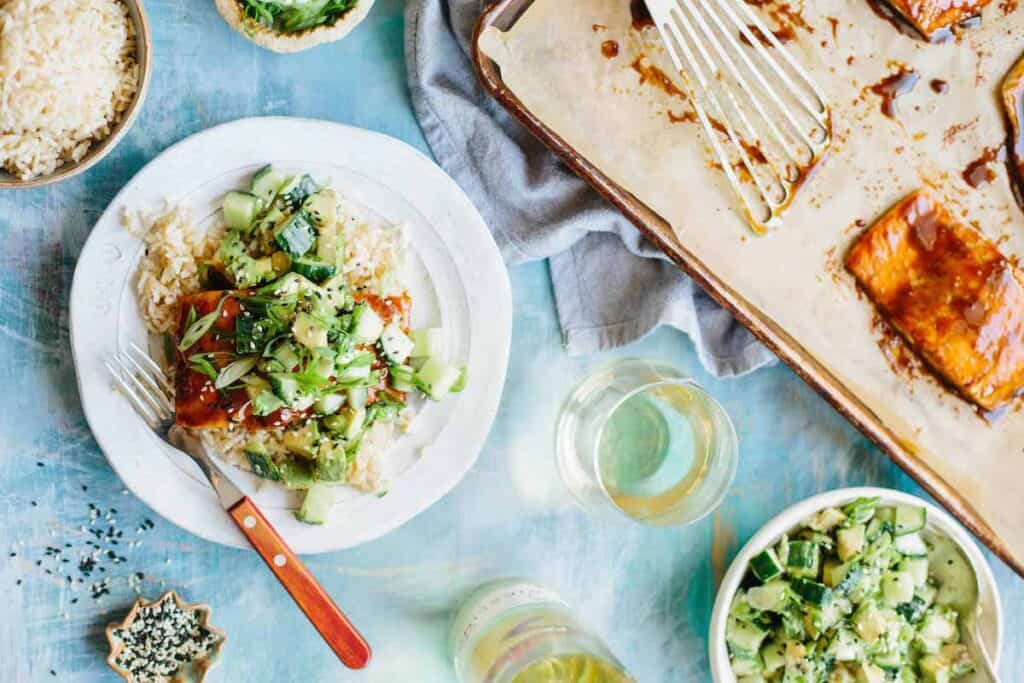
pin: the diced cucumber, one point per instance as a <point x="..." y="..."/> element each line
<point x="403" y="377"/>
<point x="313" y="268"/>
<point x="826" y="520"/>
<point x="870" y="673"/>
<point x="765" y="565"/>
<point x="897" y="588"/>
<point x="850" y="541"/>
<point x="260" y="461"/>
<point x="804" y="559"/>
<point x="427" y="342"/>
<point x="337" y="294"/>
<point x="909" y="519"/>
<point x="295" y="235"/>
<point x="368" y="326"/>
<point x="266" y="183"/>
<point x="744" y="637"/>
<point x="436" y="379"/>
<point x="357" y="397"/>
<point x="296" y="474"/>
<point x="294" y="191"/>
<point x="811" y="591"/>
<point x="860" y="511"/>
<point x="303" y="441"/>
<point x="911" y="545"/>
<point x="770" y="597"/>
<point x="950" y="663"/>
<point x="354" y="372"/>
<point x="916" y="567"/>
<point x="395" y="346"/>
<point x="240" y="210"/>
<point x="329" y="404"/>
<point x="746" y="665"/>
<point x="287" y="355"/>
<point x="940" y="623"/>
<point x="869" y="622"/>
<point x="845" y="646"/>
<point x="316" y="506"/>
<point x="286" y="387"/>
<point x="265" y="403"/>
<point x="309" y="331"/>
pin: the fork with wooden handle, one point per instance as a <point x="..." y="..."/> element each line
<point x="150" y="393"/>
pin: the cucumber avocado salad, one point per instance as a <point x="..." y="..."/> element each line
<point x="853" y="596"/>
<point x="297" y="357"/>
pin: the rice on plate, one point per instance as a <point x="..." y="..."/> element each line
<point x="68" y="73"/>
<point x="287" y="329"/>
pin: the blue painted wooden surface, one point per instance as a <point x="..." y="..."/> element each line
<point x="649" y="592"/>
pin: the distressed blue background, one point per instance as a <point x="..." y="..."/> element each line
<point x="649" y="592"/>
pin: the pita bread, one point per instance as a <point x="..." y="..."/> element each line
<point x="270" y="39"/>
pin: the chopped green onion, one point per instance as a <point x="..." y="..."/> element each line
<point x="195" y="330"/>
<point x="235" y="371"/>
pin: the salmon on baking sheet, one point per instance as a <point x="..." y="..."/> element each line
<point x="932" y="17"/>
<point x="1012" y="90"/>
<point x="198" y="403"/>
<point x="950" y="293"/>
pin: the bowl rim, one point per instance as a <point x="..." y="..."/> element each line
<point x="99" y="151"/>
<point x="772" y="530"/>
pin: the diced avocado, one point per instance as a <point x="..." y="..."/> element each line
<point x="296" y="474"/>
<point x="348" y="423"/>
<point x="240" y="210"/>
<point x="316" y="506"/>
<point x="287" y="355"/>
<point x="747" y="664"/>
<point x="313" y="268"/>
<point x="436" y="379"/>
<point x="870" y="673"/>
<point x="773" y="655"/>
<point x="811" y="591"/>
<point x="285" y="386"/>
<point x="770" y="597"/>
<point x="950" y="663"/>
<point x="911" y="545"/>
<point x="243" y="269"/>
<point x="826" y="520"/>
<point x="292" y="284"/>
<point x="860" y="511"/>
<point x="368" y="326"/>
<point x="355" y="367"/>
<point x="295" y="235"/>
<point x="845" y="646"/>
<point x="322" y="207"/>
<point x="834" y="571"/>
<point x="260" y="461"/>
<point x="743" y="636"/>
<point x="869" y="622"/>
<point x="804" y="559"/>
<point x="909" y="519"/>
<point x="265" y="403"/>
<point x="255" y="385"/>
<point x="940" y="623"/>
<point x="897" y="588"/>
<point x="293" y="193"/>
<point x="304" y="440"/>
<point x="427" y="342"/>
<point x="336" y="292"/>
<point x="266" y="183"/>
<point x="394" y="344"/>
<point x="309" y="331"/>
<point x="329" y="404"/>
<point x="916" y="567"/>
<point x="850" y="541"/>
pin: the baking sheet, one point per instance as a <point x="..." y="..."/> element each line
<point x="794" y="277"/>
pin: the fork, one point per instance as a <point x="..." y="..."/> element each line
<point x="151" y="394"/>
<point x="775" y="121"/>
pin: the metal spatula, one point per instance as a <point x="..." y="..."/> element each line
<point x="766" y="120"/>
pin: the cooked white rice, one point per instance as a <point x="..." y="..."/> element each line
<point x="176" y="250"/>
<point x="67" y="74"/>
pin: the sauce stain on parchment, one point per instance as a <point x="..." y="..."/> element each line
<point x="610" y="49"/>
<point x="893" y="87"/>
<point x="979" y="172"/>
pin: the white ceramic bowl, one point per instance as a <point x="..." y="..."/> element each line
<point x="770" y="533"/>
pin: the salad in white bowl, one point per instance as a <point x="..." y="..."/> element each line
<point x="854" y="586"/>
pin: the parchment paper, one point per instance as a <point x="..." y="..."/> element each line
<point x="552" y="61"/>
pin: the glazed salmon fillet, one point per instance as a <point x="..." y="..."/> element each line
<point x="932" y="16"/>
<point x="950" y="293"/>
<point x="198" y="404"/>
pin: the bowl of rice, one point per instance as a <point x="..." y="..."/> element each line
<point x="73" y="75"/>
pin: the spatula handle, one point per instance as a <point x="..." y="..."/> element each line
<point x="342" y="637"/>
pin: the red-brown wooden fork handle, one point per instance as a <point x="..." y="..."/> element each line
<point x="309" y="595"/>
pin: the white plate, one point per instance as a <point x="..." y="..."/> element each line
<point x="770" y="533"/>
<point x="455" y="275"/>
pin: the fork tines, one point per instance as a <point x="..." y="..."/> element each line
<point x="767" y="122"/>
<point x="144" y="383"/>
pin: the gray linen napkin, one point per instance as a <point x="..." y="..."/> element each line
<point x="611" y="285"/>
